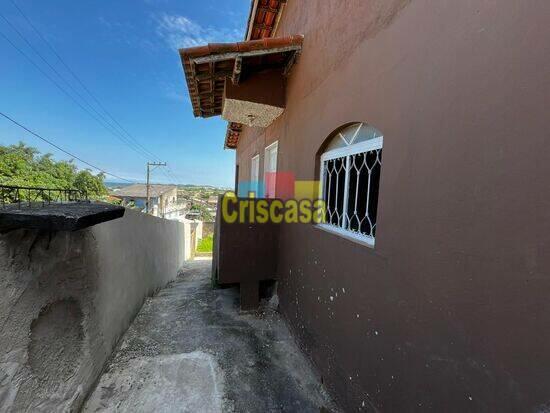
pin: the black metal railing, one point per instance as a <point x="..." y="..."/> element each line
<point x="28" y="197"/>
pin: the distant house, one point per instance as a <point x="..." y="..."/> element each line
<point x="193" y="216"/>
<point x="163" y="198"/>
<point x="212" y="200"/>
<point x="178" y="214"/>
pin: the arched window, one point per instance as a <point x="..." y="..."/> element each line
<point x="350" y="179"/>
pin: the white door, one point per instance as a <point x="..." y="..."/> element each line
<point x="270" y="169"/>
<point x="255" y="174"/>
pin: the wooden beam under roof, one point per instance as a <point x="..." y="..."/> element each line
<point x="237" y="69"/>
<point x="267" y="9"/>
<point x="216" y="76"/>
<point x="207" y="67"/>
<point x="234" y="55"/>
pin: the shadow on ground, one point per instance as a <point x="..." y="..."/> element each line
<point x="191" y="350"/>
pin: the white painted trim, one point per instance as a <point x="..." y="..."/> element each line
<point x="251" y="161"/>
<point x="343" y="138"/>
<point x="232" y="55"/>
<point x="267" y="150"/>
<point x="252" y="20"/>
<point x="345" y="233"/>
<point x="356" y="133"/>
<point x="276" y="143"/>
<point x="347" y="152"/>
<point x="278" y="20"/>
<point x="346" y="195"/>
<point x="360" y="147"/>
<point x="322" y="180"/>
<point x="257" y="177"/>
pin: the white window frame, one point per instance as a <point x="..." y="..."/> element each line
<point x="255" y="171"/>
<point x="267" y="151"/>
<point x="347" y="151"/>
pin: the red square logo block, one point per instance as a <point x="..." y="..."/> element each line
<point x="284" y="184"/>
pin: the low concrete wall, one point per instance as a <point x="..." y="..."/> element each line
<point x="193" y="233"/>
<point x="207" y="229"/>
<point x="66" y="298"/>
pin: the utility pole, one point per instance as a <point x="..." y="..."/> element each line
<point x="149" y="165"/>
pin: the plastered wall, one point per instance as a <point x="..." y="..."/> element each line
<point x="449" y="311"/>
<point x="66" y="298"/>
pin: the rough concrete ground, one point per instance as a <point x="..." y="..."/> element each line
<point x="191" y="350"/>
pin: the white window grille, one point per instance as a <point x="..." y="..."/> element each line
<point x="350" y="179"/>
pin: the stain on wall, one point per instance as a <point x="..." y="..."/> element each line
<point x="449" y="311"/>
<point x="55" y="347"/>
<point x="51" y="345"/>
<point x="338" y="38"/>
<point x="66" y="298"/>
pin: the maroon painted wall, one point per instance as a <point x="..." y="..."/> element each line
<point x="245" y="252"/>
<point x="451" y="309"/>
<point x="266" y="87"/>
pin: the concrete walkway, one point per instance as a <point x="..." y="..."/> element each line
<point x="190" y="350"/>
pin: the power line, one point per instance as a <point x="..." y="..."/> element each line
<point x="61" y="149"/>
<point x="62" y="90"/>
<point x="129" y="141"/>
<point x="149" y="170"/>
<point x="82" y="84"/>
<point x="174" y="175"/>
<point x="125" y="136"/>
<point x="101" y="120"/>
<point x="36" y="66"/>
<point x="49" y="77"/>
<point x="71" y="97"/>
<point x="46" y="61"/>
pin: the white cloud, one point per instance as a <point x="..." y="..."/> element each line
<point x="180" y="32"/>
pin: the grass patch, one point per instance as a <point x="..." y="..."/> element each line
<point x="206" y="244"/>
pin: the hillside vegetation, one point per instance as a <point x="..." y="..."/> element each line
<point x="22" y="165"/>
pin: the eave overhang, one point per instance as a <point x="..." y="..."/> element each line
<point x="232" y="135"/>
<point x="207" y="67"/>
<point x="206" y="87"/>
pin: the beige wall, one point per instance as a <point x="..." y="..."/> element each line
<point x="66" y="299"/>
<point x="168" y="201"/>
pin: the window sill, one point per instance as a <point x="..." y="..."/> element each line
<point x="357" y="238"/>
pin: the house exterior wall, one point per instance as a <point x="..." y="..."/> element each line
<point x="168" y="201"/>
<point x="449" y="311"/>
<point x="159" y="205"/>
<point x="139" y="202"/>
<point x="66" y="299"/>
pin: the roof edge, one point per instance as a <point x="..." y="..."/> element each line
<point x="241" y="47"/>
<point x="225" y="51"/>
<point x="251" y="18"/>
<point x="253" y="14"/>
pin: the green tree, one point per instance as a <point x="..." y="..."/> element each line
<point x="91" y="184"/>
<point x="205" y="215"/>
<point x="22" y="165"/>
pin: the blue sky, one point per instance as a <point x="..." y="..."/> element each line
<point x="125" y="52"/>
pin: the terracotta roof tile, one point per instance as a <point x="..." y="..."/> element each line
<point x="207" y="67"/>
<point x="206" y="81"/>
